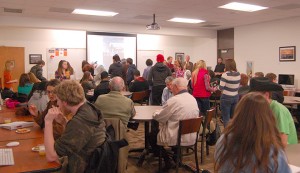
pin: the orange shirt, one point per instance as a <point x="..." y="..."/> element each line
<point x="7" y="78"/>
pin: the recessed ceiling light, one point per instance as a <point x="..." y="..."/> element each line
<point x="185" y="20"/>
<point x="94" y="12"/>
<point x="243" y="7"/>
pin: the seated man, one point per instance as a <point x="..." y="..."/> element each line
<point x="114" y="104"/>
<point x="181" y="106"/>
<point x="103" y="87"/>
<point x="139" y="83"/>
<point x="276" y="95"/>
<point x="83" y="133"/>
<point x="284" y="119"/>
<point x="167" y="93"/>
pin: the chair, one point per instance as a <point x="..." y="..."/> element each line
<point x="206" y="125"/>
<point x="215" y="100"/>
<point x="146" y="99"/>
<point x="186" y="127"/>
<point x="138" y="97"/>
<point x="120" y="133"/>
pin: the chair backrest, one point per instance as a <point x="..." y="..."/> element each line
<point x="209" y="115"/>
<point x="190" y="125"/>
<point x="138" y="96"/>
<point x="147" y="94"/>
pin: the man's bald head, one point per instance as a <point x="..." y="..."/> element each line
<point x="116" y="84"/>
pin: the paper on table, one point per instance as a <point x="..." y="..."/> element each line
<point x="16" y="125"/>
<point x="294" y="168"/>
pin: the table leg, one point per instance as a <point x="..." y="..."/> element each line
<point x="146" y="150"/>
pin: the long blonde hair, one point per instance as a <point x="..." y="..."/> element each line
<point x="199" y="65"/>
<point x="33" y="78"/>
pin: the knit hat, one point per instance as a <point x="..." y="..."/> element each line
<point x="160" y="58"/>
<point x="264" y="84"/>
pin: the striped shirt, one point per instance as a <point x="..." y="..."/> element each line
<point x="230" y="82"/>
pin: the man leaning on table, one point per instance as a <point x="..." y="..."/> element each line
<point x="284" y="119"/>
<point x="83" y="133"/>
<point x="181" y="106"/>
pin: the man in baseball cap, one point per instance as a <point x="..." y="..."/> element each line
<point x="285" y="122"/>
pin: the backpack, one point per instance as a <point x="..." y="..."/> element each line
<point x="213" y="136"/>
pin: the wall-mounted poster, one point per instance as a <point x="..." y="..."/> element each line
<point x="249" y="68"/>
<point x="287" y="53"/>
<point x="34" y="58"/>
<point x="179" y="56"/>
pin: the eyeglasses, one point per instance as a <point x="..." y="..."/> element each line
<point x="50" y="92"/>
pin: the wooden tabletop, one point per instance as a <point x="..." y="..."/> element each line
<point x="145" y="113"/>
<point x="11" y="135"/>
<point x="14" y="117"/>
<point x="27" y="160"/>
<point x="293" y="154"/>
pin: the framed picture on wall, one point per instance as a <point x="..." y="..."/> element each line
<point x="179" y="56"/>
<point x="34" y="58"/>
<point x="287" y="53"/>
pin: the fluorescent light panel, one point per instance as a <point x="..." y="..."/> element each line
<point x="242" y="7"/>
<point x="94" y="12"/>
<point x="185" y="20"/>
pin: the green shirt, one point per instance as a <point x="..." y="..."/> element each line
<point x="25" y="89"/>
<point x="285" y="122"/>
<point x="115" y="105"/>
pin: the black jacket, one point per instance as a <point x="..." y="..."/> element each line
<point x="139" y="84"/>
<point x="38" y="72"/>
<point x="157" y="74"/>
<point x="116" y="69"/>
<point x="129" y="74"/>
<point x="102" y="88"/>
<point x="105" y="157"/>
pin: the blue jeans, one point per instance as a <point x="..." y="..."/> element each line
<point x="227" y="108"/>
<point x="203" y="105"/>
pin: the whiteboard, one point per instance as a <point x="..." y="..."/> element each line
<point x="143" y="55"/>
<point x="74" y="56"/>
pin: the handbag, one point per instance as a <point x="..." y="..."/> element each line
<point x="212" y="137"/>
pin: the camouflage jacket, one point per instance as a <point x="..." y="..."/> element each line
<point x="82" y="135"/>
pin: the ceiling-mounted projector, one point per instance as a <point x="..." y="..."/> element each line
<point x="153" y="26"/>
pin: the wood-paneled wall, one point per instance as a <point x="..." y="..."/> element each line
<point x="16" y="54"/>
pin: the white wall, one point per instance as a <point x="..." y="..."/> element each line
<point x="197" y="47"/>
<point x="36" y="41"/>
<point x="260" y="43"/>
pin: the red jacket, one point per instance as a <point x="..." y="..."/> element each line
<point x="199" y="87"/>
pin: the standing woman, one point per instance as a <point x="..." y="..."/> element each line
<point x="8" y="82"/>
<point x="229" y="84"/>
<point x="62" y="71"/>
<point x="179" y="71"/>
<point x="251" y="142"/>
<point x="201" y="86"/>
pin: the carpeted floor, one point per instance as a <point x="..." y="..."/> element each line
<point x="150" y="165"/>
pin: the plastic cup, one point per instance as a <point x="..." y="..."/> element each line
<point x="42" y="151"/>
<point x="7" y="120"/>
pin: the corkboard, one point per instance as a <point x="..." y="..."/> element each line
<point x="16" y="54"/>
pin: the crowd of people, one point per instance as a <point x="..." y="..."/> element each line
<point x="257" y="126"/>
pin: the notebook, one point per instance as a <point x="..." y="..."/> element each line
<point x="16" y="125"/>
